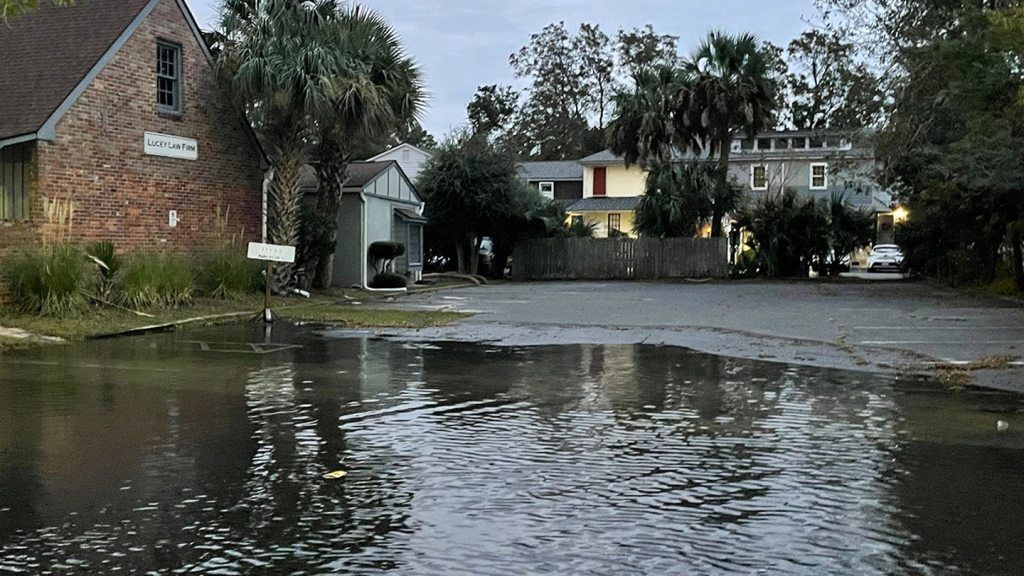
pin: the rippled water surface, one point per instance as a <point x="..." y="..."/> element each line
<point x="204" y="452"/>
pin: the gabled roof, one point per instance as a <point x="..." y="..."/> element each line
<point x="602" y="157"/>
<point x="605" y="204"/>
<point x="399" y="147"/>
<point x="360" y="174"/>
<point x="47" y="52"/>
<point x="556" y="171"/>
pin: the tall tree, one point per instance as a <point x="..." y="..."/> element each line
<point x="829" y="88"/>
<point x="553" y="123"/>
<point x="377" y="89"/>
<point x="676" y="200"/>
<point x="278" y="59"/>
<point x="648" y="126"/>
<point x="643" y="48"/>
<point x="733" y="90"/>
<point x="492" y="109"/>
<point x="471" y="189"/>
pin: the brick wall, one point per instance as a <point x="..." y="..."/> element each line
<point x="122" y="195"/>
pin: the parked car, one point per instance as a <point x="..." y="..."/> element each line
<point x="885" y="257"/>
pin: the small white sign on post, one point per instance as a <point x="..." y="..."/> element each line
<point x="156" y="144"/>
<point x="271" y="252"/>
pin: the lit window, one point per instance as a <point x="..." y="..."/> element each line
<point x="576" y="220"/>
<point x="547" y="190"/>
<point x="819" y="176"/>
<point x="614" y="222"/>
<point x="168" y="77"/>
<point x="759" y="177"/>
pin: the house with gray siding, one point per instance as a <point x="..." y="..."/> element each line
<point x="561" y="180"/>
<point x="379" y="202"/>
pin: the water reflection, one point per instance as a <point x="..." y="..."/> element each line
<point x="201" y="453"/>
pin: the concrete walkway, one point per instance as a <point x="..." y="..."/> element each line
<point x="885" y="326"/>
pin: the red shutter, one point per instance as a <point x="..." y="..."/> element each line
<point x="600" y="181"/>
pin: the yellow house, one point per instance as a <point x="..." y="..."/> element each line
<point x="611" y="193"/>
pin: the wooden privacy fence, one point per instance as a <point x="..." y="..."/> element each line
<point x="620" y="258"/>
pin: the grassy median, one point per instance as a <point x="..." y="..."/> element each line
<point x="337" y="309"/>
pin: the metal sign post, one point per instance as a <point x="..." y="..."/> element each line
<point x="270" y="253"/>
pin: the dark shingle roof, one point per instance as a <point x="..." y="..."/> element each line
<point x="359" y="174"/>
<point x="45" y="53"/>
<point x="556" y="171"/>
<point x="362" y="173"/>
<point x="605" y="204"/>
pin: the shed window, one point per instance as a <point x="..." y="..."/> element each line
<point x="819" y="176"/>
<point x="168" y="77"/>
<point x="15" y="178"/>
<point x="759" y="177"/>
<point x="415" y="250"/>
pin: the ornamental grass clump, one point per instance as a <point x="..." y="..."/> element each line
<point x="226" y="273"/>
<point x="48" y="281"/>
<point x="152" y="280"/>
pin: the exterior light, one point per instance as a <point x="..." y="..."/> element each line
<point x="900" y="214"/>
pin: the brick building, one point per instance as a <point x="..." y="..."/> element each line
<point x="111" y="108"/>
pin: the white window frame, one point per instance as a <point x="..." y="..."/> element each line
<point x="175" y="78"/>
<point x="753" y="172"/>
<point x="810" y="182"/>
<point x="542" y="185"/>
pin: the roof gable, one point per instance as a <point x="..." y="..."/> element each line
<point x="559" y="170"/>
<point x="42" y="77"/>
<point x="389" y="153"/>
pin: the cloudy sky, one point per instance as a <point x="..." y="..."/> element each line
<point x="462" y="44"/>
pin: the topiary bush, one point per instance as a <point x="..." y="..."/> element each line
<point x="157" y="280"/>
<point x="383" y="253"/>
<point x="227" y="273"/>
<point x="48" y="281"/>
<point x="389" y="280"/>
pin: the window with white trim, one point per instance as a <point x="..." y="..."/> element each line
<point x="759" y="177"/>
<point x="547" y="190"/>
<point x="819" y="176"/>
<point x="168" y="77"/>
<point x="415" y="250"/>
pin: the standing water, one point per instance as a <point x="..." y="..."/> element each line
<point x="205" y="452"/>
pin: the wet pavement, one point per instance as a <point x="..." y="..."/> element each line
<point x="204" y="452"/>
<point x="887" y="326"/>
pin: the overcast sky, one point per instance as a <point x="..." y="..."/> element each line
<point x="462" y="44"/>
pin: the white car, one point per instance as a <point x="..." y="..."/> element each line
<point x="885" y="257"/>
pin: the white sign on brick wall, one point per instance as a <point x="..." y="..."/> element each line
<point x="155" y="144"/>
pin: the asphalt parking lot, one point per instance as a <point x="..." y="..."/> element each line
<point x="883" y="326"/>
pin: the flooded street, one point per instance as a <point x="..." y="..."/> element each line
<point x="205" y="452"/>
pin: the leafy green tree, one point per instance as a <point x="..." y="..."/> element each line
<point x="10" y="9"/>
<point x="266" y="60"/>
<point x="829" y="88"/>
<point x="570" y="81"/>
<point x="642" y="48"/>
<point x="492" y="109"/>
<point x="471" y="190"/>
<point x="732" y="89"/>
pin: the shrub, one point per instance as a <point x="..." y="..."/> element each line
<point x="48" y="281"/>
<point x="389" y="280"/>
<point x="108" y="264"/>
<point x="227" y="273"/>
<point x="157" y="280"/>
<point x="383" y="253"/>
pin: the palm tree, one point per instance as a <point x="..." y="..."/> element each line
<point x="281" y="67"/>
<point x="732" y="89"/>
<point x="378" y="90"/>
<point x="678" y="198"/>
<point x="646" y="127"/>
